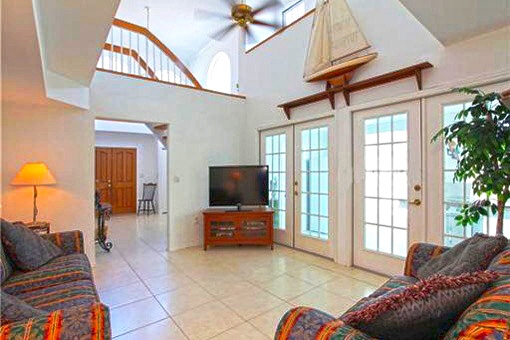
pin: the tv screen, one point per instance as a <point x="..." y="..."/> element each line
<point x="232" y="185"/>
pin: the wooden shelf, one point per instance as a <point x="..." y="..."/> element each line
<point x="412" y="71"/>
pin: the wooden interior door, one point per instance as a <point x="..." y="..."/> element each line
<point x="116" y="178"/>
<point x="104" y="173"/>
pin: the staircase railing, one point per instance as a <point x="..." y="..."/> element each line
<point x="134" y="50"/>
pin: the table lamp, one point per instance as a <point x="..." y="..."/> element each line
<point x="34" y="174"/>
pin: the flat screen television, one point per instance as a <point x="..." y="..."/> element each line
<point x="238" y="185"/>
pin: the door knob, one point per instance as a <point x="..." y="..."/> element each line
<point x="296" y="193"/>
<point x="416" y="202"/>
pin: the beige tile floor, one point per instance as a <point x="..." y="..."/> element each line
<point x="224" y="293"/>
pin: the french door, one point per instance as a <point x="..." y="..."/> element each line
<point x="388" y="189"/>
<point x="276" y="148"/>
<point x="302" y="172"/>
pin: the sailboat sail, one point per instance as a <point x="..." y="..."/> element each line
<point x="335" y="35"/>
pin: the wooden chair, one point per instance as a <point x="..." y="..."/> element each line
<point x="146" y="203"/>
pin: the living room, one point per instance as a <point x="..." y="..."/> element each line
<point x="340" y="185"/>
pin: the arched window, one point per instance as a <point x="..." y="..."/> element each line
<point x="219" y="76"/>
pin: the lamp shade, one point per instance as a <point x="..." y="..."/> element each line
<point x="34" y="174"/>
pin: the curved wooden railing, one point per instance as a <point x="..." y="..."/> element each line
<point x="134" y="50"/>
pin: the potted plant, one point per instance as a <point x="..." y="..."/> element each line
<point x="482" y="134"/>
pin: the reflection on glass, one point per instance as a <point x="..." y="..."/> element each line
<point x="314" y="182"/>
<point x="385" y="130"/>
<point x="371" y="131"/>
<point x="457" y="193"/>
<point x="386" y="184"/>
<point x="275" y="158"/>
<point x="371" y="237"/>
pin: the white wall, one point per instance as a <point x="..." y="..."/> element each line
<point x="204" y="129"/>
<point x="162" y="179"/>
<point x="272" y="74"/>
<point x="62" y="137"/>
<point x="146" y="153"/>
<point x="231" y="45"/>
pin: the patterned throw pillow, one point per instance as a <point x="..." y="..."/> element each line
<point x="471" y="255"/>
<point x="5" y="265"/>
<point x="13" y="309"/>
<point x="25" y="248"/>
<point x="425" y="310"/>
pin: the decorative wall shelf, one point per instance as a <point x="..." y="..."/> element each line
<point x="346" y="90"/>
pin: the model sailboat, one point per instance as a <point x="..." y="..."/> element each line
<point x="337" y="46"/>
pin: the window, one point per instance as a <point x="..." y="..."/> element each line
<point x="386" y="160"/>
<point x="455" y="194"/>
<point x="276" y="160"/>
<point x="293" y="13"/>
<point x="219" y="76"/>
<point x="315" y="182"/>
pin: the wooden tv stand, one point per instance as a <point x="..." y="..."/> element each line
<point x="232" y="227"/>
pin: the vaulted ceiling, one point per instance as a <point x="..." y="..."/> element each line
<point x="174" y="22"/>
<point x="451" y="21"/>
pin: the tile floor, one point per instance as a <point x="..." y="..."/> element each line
<point x="224" y="293"/>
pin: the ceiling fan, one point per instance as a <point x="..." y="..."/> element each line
<point x="242" y="15"/>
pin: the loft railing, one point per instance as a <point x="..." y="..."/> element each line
<point x="134" y="50"/>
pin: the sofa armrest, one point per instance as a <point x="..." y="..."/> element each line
<point x="419" y="254"/>
<point x="71" y="242"/>
<point x="309" y="323"/>
<point x="84" y="322"/>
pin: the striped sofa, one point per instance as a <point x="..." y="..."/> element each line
<point x="487" y="318"/>
<point x="63" y="289"/>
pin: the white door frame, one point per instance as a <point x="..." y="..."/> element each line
<point x="285" y="237"/>
<point x="318" y="246"/>
<point x="376" y="261"/>
<point x="288" y="237"/>
<point x="433" y="122"/>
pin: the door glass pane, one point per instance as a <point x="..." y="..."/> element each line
<point x="276" y="160"/>
<point x="456" y="193"/>
<point x="386" y="185"/>
<point x="314" y="182"/>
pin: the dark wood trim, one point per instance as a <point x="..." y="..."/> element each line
<point x="142" y="30"/>
<point x="173" y="84"/>
<point x="346" y="90"/>
<point x="280" y="31"/>
<point x="132" y="53"/>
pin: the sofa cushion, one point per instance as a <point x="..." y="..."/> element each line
<point x="77" y="323"/>
<point x="59" y="270"/>
<point x="302" y="323"/>
<point x="14" y="309"/>
<point x="425" y="310"/>
<point x="25" y="248"/>
<point x="61" y="296"/>
<point x="5" y="265"/>
<point x="394" y="282"/>
<point x="471" y="255"/>
<point x="488" y="317"/>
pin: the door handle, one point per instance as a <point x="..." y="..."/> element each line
<point x="416" y="202"/>
<point x="296" y="193"/>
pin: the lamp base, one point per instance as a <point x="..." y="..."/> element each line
<point x="34" y="220"/>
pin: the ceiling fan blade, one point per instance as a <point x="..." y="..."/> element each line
<point x="265" y="23"/>
<point x="230" y="2"/>
<point x="218" y="35"/>
<point x="202" y="14"/>
<point x="250" y="38"/>
<point x="268" y="5"/>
